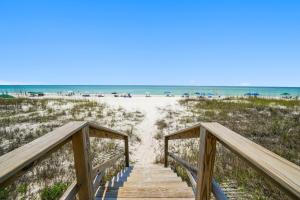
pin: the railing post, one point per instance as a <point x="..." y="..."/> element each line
<point x="126" y="151"/>
<point x="81" y="148"/>
<point x="166" y="151"/>
<point x="205" y="164"/>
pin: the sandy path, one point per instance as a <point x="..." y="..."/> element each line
<point x="144" y="153"/>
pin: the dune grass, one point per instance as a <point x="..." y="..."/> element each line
<point x="272" y="123"/>
<point x="22" y="120"/>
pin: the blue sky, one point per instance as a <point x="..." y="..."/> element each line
<point x="207" y="42"/>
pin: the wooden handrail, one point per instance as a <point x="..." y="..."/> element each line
<point x="97" y="174"/>
<point x="70" y="193"/>
<point x="192" y="180"/>
<point x="102" y="132"/>
<point x="101" y="167"/>
<point x="23" y="157"/>
<point x="190" y="170"/>
<point x="280" y="171"/>
<point x="183" y="163"/>
<point x="192" y="175"/>
<point x="18" y="161"/>
<point x="190" y="132"/>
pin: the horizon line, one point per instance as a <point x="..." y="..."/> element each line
<point x="155" y="85"/>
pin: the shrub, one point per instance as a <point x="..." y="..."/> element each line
<point x="4" y="193"/>
<point x="161" y="124"/>
<point x="159" y="136"/>
<point x="22" y="189"/>
<point x="53" y="192"/>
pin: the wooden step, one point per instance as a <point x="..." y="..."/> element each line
<point x="154" y="172"/>
<point x="151" y="168"/>
<point x="156" y="183"/>
<point x="152" y="176"/>
<point x="146" y="192"/>
<point x="174" y="186"/>
<point x="151" y="171"/>
<point x="150" y="182"/>
<point x="151" y="179"/>
<point x="120" y="198"/>
<point x="146" y="183"/>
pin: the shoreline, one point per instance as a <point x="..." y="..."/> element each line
<point x="158" y="90"/>
<point x="94" y="96"/>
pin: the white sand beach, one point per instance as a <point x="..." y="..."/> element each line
<point x="143" y="153"/>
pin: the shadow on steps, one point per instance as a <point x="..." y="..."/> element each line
<point x="114" y="184"/>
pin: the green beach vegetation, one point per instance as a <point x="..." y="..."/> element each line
<point x="272" y="123"/>
<point x="23" y="119"/>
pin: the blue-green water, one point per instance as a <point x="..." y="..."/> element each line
<point x="154" y="90"/>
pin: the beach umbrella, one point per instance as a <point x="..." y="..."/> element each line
<point x="255" y="94"/>
<point x="248" y="94"/>
<point x="6" y="96"/>
<point x="167" y="92"/>
<point x="285" y="94"/>
<point x="197" y="93"/>
<point x="210" y="94"/>
<point x="185" y="94"/>
<point x="114" y="93"/>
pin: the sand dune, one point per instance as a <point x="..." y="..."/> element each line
<point x="144" y="153"/>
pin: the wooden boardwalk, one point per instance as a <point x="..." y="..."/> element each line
<point x="151" y="182"/>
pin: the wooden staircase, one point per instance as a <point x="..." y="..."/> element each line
<point x="140" y="182"/>
<point x="150" y="181"/>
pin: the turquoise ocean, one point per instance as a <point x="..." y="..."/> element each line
<point x="154" y="90"/>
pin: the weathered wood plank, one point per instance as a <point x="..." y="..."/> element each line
<point x="205" y="164"/>
<point x="155" y="183"/>
<point x="22" y="158"/>
<point x="154" y="176"/>
<point x="166" y="151"/>
<point x="280" y="171"/>
<point x="153" y="179"/>
<point x="183" y="163"/>
<point x="154" y="173"/>
<point x="148" y="192"/>
<point x="99" y="198"/>
<point x="126" y="151"/>
<point x="191" y="132"/>
<point x="192" y="180"/>
<point x="101" y="167"/>
<point x="83" y="168"/>
<point x="71" y="192"/>
<point x="192" y="174"/>
<point x="102" y="132"/>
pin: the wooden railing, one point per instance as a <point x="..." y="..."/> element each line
<point x="18" y="161"/>
<point x="281" y="172"/>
